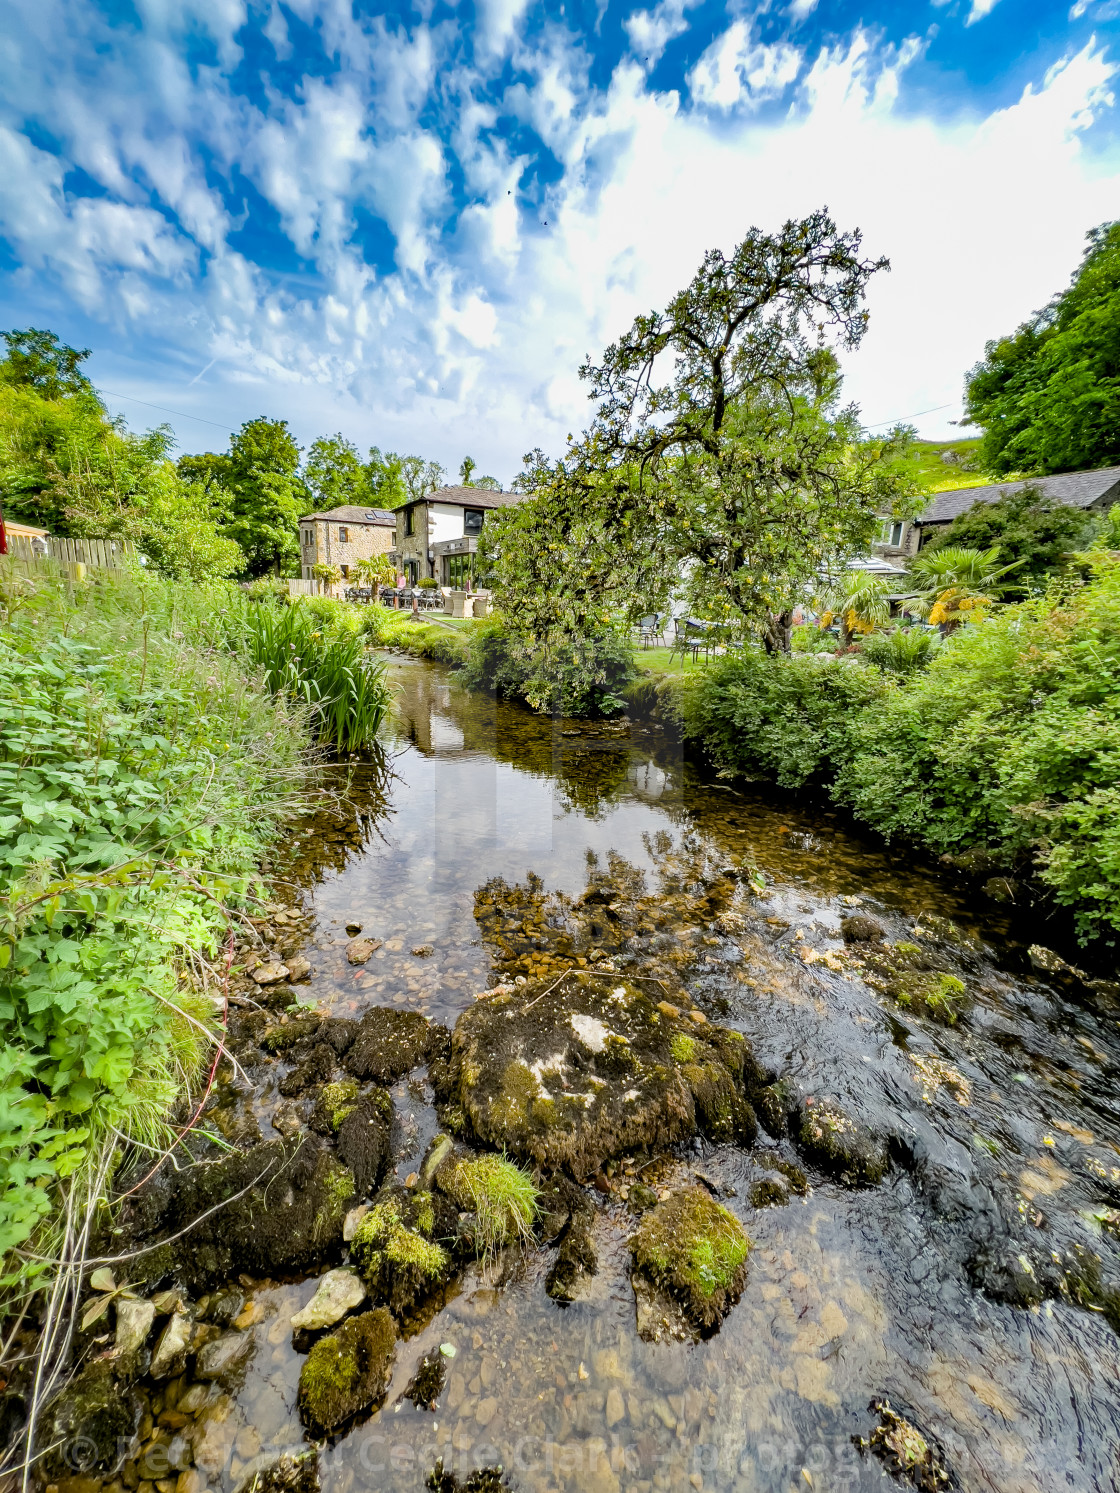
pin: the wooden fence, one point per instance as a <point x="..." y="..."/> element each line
<point x="94" y="554"/>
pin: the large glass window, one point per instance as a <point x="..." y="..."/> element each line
<point x="472" y="520"/>
<point x="458" y="571"/>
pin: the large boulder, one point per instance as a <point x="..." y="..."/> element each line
<point x="390" y="1043"/>
<point x="569" y="1073"/>
<point x="694" y="1250"/>
<point x="275" y="1209"/>
<point x="397" y="1251"/>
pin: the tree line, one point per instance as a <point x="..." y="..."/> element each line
<point x="67" y="466"/>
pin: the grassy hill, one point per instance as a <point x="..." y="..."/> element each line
<point x="942" y="466"/>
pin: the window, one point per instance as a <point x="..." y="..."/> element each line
<point x="458" y="571"/>
<point x="343" y="535"/>
<point x="345" y="571"/>
<point x="306" y="537"/>
<point x="892" y="533"/>
<point x="412" y="571"/>
<point x="472" y="521"/>
<point x="409" y="521"/>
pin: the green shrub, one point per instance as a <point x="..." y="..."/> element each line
<point x="141" y="776"/>
<point x="903" y="651"/>
<point x="581" y="677"/>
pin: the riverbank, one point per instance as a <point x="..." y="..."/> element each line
<point x="144" y="772"/>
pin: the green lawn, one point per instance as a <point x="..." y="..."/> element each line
<point x="661" y="660"/>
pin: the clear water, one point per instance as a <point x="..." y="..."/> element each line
<point x="850" y="1295"/>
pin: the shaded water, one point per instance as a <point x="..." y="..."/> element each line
<point x="851" y="1294"/>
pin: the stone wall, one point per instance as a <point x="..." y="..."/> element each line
<point x="362" y="542"/>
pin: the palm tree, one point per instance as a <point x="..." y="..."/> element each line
<point x="955" y="584"/>
<point x="859" y="600"/>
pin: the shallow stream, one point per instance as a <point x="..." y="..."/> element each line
<point x="851" y="1295"/>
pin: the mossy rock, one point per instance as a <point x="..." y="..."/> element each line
<point x="906" y="1453"/>
<point x="290" y="1472"/>
<point x="859" y="928"/>
<point x="539" y="1074"/>
<point x="398" y="1250"/>
<point x="390" y="1043"/>
<point x="479" y="1480"/>
<point x="365" y="1140"/>
<point x="277" y="1209"/>
<point x="502" y="1198"/>
<point x="90" y="1426"/>
<point x="839" y="1145"/>
<point x="333" y="1103"/>
<point x="316" y="1068"/>
<point x="577" y="1261"/>
<point x="284" y="1036"/>
<point x="911" y="976"/>
<point x="347" y="1372"/>
<point x="693" y="1249"/>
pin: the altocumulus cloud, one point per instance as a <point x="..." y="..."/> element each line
<point x="413" y="225"/>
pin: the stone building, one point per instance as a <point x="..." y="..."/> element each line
<point x="343" y="536"/>
<point x="437" y="536"/>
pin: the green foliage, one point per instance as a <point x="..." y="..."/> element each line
<point x="335" y="475"/>
<point x="260" y="492"/>
<point x="942" y="466"/>
<point x="1009" y="740"/>
<point x="565" y="673"/>
<point x="1048" y="395"/>
<point x="325" y="668"/>
<point x="905" y="650"/>
<point x="1029" y="531"/>
<point x="501" y="1195"/>
<point x="140" y="777"/>
<point x="38" y="360"/>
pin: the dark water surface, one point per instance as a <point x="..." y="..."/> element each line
<point x="851" y="1294"/>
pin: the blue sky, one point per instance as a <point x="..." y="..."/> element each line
<point x="411" y="224"/>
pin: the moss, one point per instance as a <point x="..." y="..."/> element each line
<point x="391" y="1043"/>
<point x="347" y="1371"/>
<point x="502" y="1197"/>
<point x="333" y="1104"/>
<point x="682" y="1046"/>
<point x="576" y="1262"/>
<point x="90" y="1425"/>
<point x="840" y="1145"/>
<point x="393" y="1248"/>
<point x="907" y="974"/>
<point x="906" y="1452"/>
<point x="695" y="1250"/>
<point x="365" y="1139"/>
<point x="280" y="1038"/>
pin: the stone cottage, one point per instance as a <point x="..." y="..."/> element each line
<point x="343" y="536"/>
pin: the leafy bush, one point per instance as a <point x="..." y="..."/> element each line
<point x="1008" y="740"/>
<point x="902" y="651"/>
<point x="141" y="776"/>
<point x="577" y="676"/>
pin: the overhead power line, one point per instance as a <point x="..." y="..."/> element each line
<point x="165" y="411"/>
<point x="913" y="416"/>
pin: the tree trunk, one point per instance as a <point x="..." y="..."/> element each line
<point x="778" y="635"/>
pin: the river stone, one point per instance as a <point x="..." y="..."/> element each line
<point x="90" y="1426"/>
<point x="276" y="1209"/>
<point x="859" y="928"/>
<point x="134" y="1322"/>
<point x="691" y="1248"/>
<point x="390" y="1043"/>
<point x="347" y="1371"/>
<point x="269" y="974"/>
<point x="290" y="1472"/>
<point x="223" y="1356"/>
<point x="337" y="1293"/>
<point x="570" y="1073"/>
<point x="316" y="1068"/>
<point x="365" y="1140"/>
<point x="840" y="1145"/>
<point x="358" y="950"/>
<point x="299" y="968"/>
<point x="171" y="1350"/>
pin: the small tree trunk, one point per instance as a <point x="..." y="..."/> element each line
<point x="778" y="634"/>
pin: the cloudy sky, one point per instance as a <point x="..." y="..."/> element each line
<point x="412" y="224"/>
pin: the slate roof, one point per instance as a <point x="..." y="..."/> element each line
<point x="470" y="497"/>
<point x="349" y="513"/>
<point x="1073" y="489"/>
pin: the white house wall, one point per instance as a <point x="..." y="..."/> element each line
<point x="445" y="521"/>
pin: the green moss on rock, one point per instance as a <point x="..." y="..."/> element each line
<point x="333" y="1103"/>
<point x="569" y="1073"/>
<point x="347" y="1372"/>
<point x="693" y="1249"/>
<point x="395" y="1252"/>
<point x="839" y="1145"/>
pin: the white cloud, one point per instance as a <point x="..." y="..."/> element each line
<point x="473" y="340"/>
<point x="651" y="31"/>
<point x="980" y="8"/>
<point x="736" y="69"/>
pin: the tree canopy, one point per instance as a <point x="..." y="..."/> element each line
<point x="259" y="490"/>
<point x="1048" y="395"/>
<point x="39" y="360"/>
<point x="719" y="461"/>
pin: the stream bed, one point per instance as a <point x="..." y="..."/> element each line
<point x="974" y="1287"/>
